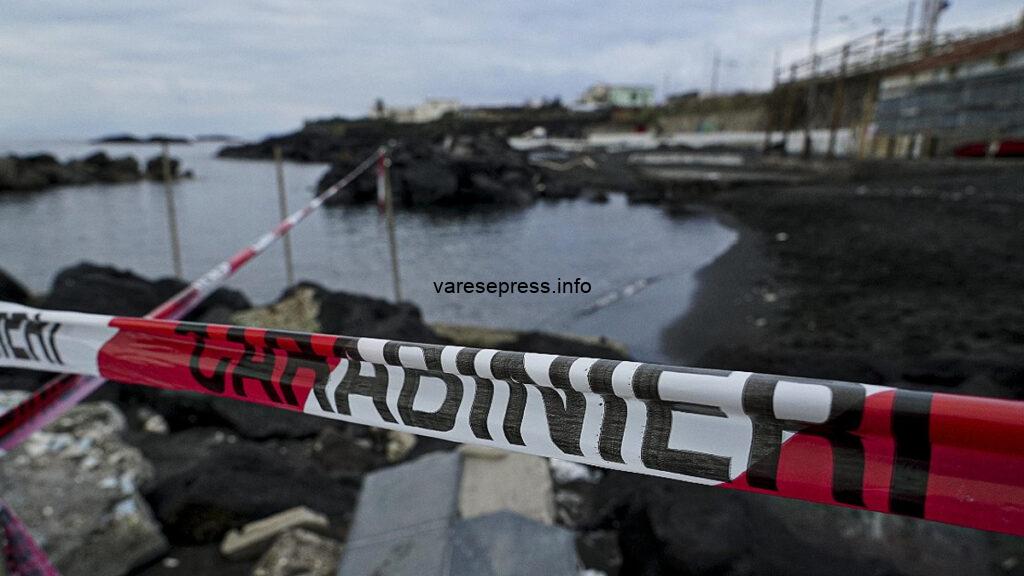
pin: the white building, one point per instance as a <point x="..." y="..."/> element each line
<point x="430" y="110"/>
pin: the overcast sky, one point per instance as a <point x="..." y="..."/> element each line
<point x="76" y="69"/>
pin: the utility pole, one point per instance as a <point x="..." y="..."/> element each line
<point x="812" y="86"/>
<point x="282" y="204"/>
<point x="930" y="10"/>
<point x="908" y="27"/>
<point x="172" y="213"/>
<point x="879" y="46"/>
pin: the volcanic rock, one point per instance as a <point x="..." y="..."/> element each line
<point x="75" y="485"/>
<point x="11" y="290"/>
<point x="210" y="482"/>
<point x="97" y="289"/>
<point x="460" y="171"/>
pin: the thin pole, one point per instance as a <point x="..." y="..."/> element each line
<point x="716" y="61"/>
<point x="812" y="87"/>
<point x="172" y="213"/>
<point x="787" y="115"/>
<point x="768" y="116"/>
<point x="838" y="100"/>
<point x="384" y="180"/>
<point x="282" y="204"/>
<point x="879" y="46"/>
<point x="908" y="27"/>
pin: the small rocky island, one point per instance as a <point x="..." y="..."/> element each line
<point x="42" y="171"/>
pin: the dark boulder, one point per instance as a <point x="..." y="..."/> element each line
<point x="345" y="313"/>
<point x="544" y="343"/>
<point x="99" y="289"/>
<point x="361" y="191"/>
<point x="262" y="422"/>
<point x="36" y="172"/>
<point x="208" y="482"/>
<point x="11" y="290"/>
<point x="106" y="170"/>
<point x="675" y="527"/>
<point x="40" y="171"/>
<point x="155" y="168"/>
<point x="424" y="182"/>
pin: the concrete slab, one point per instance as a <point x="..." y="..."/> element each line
<point x="494" y="480"/>
<point x="507" y="544"/>
<point x="403" y="520"/>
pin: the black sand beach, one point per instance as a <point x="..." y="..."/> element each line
<point x="904" y="276"/>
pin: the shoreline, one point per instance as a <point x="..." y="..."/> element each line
<point x="723" y="307"/>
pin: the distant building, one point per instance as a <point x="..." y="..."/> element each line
<point x="682" y="98"/>
<point x="617" y="96"/>
<point x="430" y="110"/>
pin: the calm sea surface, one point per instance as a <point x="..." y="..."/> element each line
<point x="639" y="261"/>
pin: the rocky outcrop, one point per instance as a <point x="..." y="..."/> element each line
<point x="41" y="171"/>
<point x="155" y="169"/>
<point x="208" y="482"/>
<point x="335" y="139"/>
<point x="670" y="527"/>
<point x="347" y="313"/>
<point x="133" y="139"/>
<point x="458" y="171"/>
<point x="75" y="484"/>
<point x="97" y="289"/>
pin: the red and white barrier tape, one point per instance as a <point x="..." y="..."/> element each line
<point x="954" y="459"/>
<point x="21" y="553"/>
<point x="63" y="392"/>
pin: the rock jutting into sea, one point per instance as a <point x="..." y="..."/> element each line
<point x="42" y="171"/>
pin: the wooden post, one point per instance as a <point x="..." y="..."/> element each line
<point x="282" y="204"/>
<point x="172" y="213"/>
<point x="384" y="180"/>
<point x="812" y="82"/>
<point x="768" y="112"/>
<point x="787" y="113"/>
<point x="868" y="104"/>
<point x="838" y="99"/>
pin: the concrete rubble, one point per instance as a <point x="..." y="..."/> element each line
<point x="399" y="444"/>
<point x="299" y="552"/>
<point x="75" y="485"/>
<point x="495" y="480"/>
<point x="475" y="510"/>
<point x="255" y="537"/>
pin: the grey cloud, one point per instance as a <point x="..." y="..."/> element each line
<point x="79" y="68"/>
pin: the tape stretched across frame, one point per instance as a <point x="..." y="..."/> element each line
<point x="949" y="458"/>
<point x="63" y="392"/>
